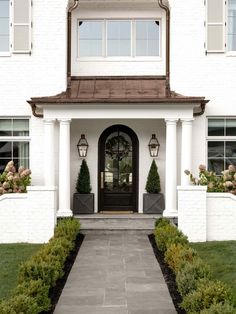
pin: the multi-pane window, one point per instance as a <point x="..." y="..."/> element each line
<point x="118" y="38"/>
<point x="90" y="38"/>
<point x="14" y="142"/>
<point x="4" y="25"/>
<point x="231" y="25"/>
<point x="147" y="38"/>
<point x="221" y="144"/>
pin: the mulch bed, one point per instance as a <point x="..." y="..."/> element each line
<point x="169" y="276"/>
<point x="56" y="291"/>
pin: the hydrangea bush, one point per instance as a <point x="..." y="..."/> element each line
<point x="13" y="181"/>
<point x="226" y="182"/>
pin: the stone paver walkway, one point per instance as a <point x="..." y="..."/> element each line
<point x="115" y="274"/>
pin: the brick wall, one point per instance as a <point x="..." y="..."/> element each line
<point x="28" y="217"/>
<point x="206" y="216"/>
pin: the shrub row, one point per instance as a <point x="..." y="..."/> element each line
<point x="200" y="292"/>
<point x="40" y="273"/>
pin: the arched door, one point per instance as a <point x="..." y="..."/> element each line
<point x="118" y="169"/>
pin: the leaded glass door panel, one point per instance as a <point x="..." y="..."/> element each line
<point x="118" y="160"/>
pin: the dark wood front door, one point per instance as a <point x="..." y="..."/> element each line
<point x="118" y="169"/>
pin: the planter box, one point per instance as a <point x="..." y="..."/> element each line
<point x="153" y="203"/>
<point x="83" y="203"/>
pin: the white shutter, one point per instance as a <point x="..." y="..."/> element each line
<point x="21" y="26"/>
<point x="215" y="25"/>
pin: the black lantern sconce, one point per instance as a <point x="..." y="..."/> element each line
<point x="82" y="146"/>
<point x="154" y="146"/>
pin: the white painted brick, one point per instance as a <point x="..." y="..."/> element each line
<point x="206" y="216"/>
<point x="28" y="217"/>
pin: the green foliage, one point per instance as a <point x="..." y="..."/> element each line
<point x="220" y="308"/>
<point x="36" y="290"/>
<point x="12" y="256"/>
<point x="41" y="271"/>
<point x="188" y="276"/>
<point x="47" y="269"/>
<point x="67" y="228"/>
<point x="153" y="181"/>
<point x="168" y="235"/>
<point x="208" y="292"/>
<point x="19" y="304"/>
<point x="178" y="254"/>
<point x="221" y="256"/>
<point x="83" y="182"/>
<point x="161" y="222"/>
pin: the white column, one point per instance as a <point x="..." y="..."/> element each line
<point x="49" y="144"/>
<point x="186" y="149"/>
<point x="171" y="169"/>
<point x="64" y="168"/>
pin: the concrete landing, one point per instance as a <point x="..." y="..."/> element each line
<point x="117" y="222"/>
<point x="115" y="273"/>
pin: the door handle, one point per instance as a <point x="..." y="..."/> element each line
<point x="102" y="180"/>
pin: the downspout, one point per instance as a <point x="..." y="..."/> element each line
<point x="166" y="8"/>
<point x="73" y="7"/>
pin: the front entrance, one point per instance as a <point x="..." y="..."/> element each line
<point x="118" y="169"/>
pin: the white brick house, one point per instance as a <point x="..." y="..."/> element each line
<point x="109" y="67"/>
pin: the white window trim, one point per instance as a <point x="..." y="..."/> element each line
<point x="26" y="138"/>
<point x="8" y="53"/>
<point x="223" y="138"/>
<point x="130" y="58"/>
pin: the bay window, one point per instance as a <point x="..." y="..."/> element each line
<point x="118" y="38"/>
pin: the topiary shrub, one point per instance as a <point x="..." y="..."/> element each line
<point x="188" y="276"/>
<point x="178" y="254"/>
<point x="208" y="292"/>
<point x="168" y="235"/>
<point x="83" y="182"/>
<point x="220" y="308"/>
<point x="153" y="184"/>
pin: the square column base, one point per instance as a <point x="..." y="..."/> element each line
<point x="170" y="213"/>
<point x="64" y="213"/>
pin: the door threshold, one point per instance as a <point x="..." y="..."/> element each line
<point x="116" y="212"/>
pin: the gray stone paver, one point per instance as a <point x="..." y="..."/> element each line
<point x="115" y="274"/>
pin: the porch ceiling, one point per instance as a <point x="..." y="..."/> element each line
<point x="122" y="90"/>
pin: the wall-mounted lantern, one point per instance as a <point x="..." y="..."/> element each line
<point x="82" y="146"/>
<point x="154" y="146"/>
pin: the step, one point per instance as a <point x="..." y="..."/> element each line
<point x="113" y="222"/>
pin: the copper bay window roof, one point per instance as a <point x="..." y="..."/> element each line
<point x="107" y="90"/>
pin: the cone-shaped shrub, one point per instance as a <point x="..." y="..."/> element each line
<point x="83" y="182"/>
<point x="153" y="181"/>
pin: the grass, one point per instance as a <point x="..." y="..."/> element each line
<point x="11" y="257"/>
<point x="221" y="256"/>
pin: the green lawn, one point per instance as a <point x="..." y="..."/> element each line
<point x="221" y="256"/>
<point x="11" y="257"/>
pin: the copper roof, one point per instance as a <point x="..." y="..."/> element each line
<point x="117" y="90"/>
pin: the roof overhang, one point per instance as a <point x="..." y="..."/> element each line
<point x="118" y="90"/>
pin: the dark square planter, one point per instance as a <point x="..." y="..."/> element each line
<point x="83" y="203"/>
<point x="153" y="203"/>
